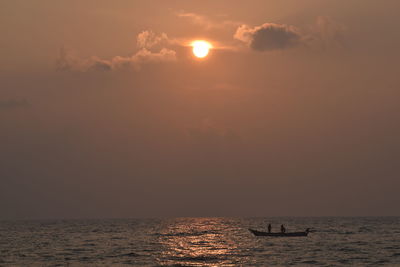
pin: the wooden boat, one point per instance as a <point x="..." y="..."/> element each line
<point x="293" y="234"/>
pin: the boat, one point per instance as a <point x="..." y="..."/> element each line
<point x="292" y="234"/>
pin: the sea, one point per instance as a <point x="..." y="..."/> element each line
<point x="333" y="241"/>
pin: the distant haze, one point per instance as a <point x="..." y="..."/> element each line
<point x="104" y="111"/>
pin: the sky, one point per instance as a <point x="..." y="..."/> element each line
<point x="106" y="113"/>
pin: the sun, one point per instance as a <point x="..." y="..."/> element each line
<point x="201" y="48"/>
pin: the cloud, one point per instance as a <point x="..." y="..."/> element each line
<point x="142" y="57"/>
<point x="269" y="36"/>
<point x="206" y="22"/>
<point x="148" y="39"/>
<point x="13" y="103"/>
<point x="325" y="33"/>
<point x="68" y="61"/>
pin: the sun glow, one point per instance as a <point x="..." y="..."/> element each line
<point x="201" y="48"/>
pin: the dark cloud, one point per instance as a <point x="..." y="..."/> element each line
<point x="269" y="36"/>
<point x="99" y="64"/>
<point x="325" y="33"/>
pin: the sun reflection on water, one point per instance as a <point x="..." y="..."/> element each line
<point x="197" y="242"/>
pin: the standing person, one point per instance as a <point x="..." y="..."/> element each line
<point x="283" y="229"/>
<point x="269" y="228"/>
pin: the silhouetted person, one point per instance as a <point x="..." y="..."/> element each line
<point x="283" y="229"/>
<point x="269" y="228"/>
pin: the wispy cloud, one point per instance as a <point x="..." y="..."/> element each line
<point x="207" y="22"/>
<point x="146" y="40"/>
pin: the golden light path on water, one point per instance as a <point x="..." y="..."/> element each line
<point x="197" y="242"/>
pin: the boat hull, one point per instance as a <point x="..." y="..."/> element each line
<point x="293" y="234"/>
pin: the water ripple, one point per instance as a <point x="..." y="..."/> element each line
<point x="200" y="242"/>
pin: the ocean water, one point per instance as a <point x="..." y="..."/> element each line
<point x="369" y="241"/>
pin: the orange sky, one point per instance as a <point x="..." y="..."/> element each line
<point x="105" y="112"/>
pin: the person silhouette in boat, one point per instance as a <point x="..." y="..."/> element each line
<point x="269" y="228"/>
<point x="283" y="229"/>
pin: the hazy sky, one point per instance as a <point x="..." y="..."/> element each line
<point x="105" y="112"/>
